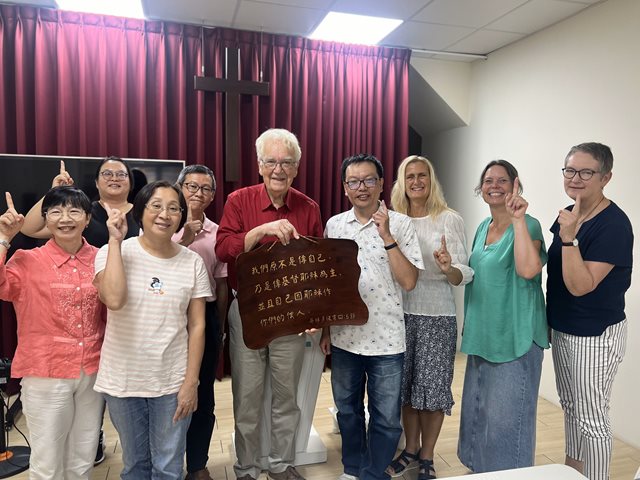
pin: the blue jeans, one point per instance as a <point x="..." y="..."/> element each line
<point x="152" y="445"/>
<point x="498" y="414"/>
<point x="366" y="454"/>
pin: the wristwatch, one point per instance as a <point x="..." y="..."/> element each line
<point x="5" y="244"/>
<point x="572" y="243"/>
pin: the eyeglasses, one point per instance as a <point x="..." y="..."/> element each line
<point x="55" y="214"/>
<point x="108" y="174"/>
<point x="286" y="165"/>
<point x="355" y="184"/>
<point x="194" y="187"/>
<point x="584" y="174"/>
<point x="158" y="207"/>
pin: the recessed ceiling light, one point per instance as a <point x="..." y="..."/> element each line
<point x="351" y="28"/>
<point x="119" y="8"/>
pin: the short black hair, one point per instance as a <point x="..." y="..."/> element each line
<point x="511" y="172"/>
<point x="196" y="169"/>
<point x="144" y="195"/>
<point x="360" y="158"/>
<point x="600" y="152"/>
<point x="66" y="196"/>
<point x="116" y="159"/>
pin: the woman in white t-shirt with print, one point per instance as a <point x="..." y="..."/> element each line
<point x="155" y="293"/>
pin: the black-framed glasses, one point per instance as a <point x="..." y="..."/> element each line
<point x="109" y="174"/>
<point x="55" y="214"/>
<point x="286" y="165"/>
<point x="584" y="174"/>
<point x="368" y="182"/>
<point x="193" y="187"/>
<point x="158" y="207"/>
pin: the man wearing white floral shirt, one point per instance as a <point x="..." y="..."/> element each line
<point x="371" y="355"/>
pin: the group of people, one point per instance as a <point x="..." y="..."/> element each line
<point x="153" y="358"/>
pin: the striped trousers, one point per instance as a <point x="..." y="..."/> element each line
<point x="585" y="368"/>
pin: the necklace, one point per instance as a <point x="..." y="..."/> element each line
<point x="580" y="222"/>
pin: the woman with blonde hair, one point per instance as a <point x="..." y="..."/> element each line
<point x="429" y="312"/>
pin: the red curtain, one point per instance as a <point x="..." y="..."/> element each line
<point x="90" y="85"/>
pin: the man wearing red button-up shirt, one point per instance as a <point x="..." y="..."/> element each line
<point x="271" y="211"/>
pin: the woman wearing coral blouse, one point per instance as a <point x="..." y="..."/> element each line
<point x="60" y="332"/>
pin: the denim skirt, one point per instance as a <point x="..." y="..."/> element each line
<point x="498" y="413"/>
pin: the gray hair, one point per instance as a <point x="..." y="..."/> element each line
<point x="196" y="169"/>
<point x="279" y="135"/>
<point x="600" y="152"/>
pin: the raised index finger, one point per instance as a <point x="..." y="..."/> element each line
<point x="443" y="243"/>
<point x="516" y="186"/>
<point x="576" y="207"/>
<point x="9" y="201"/>
<point x="62" y="169"/>
<point x="189" y="213"/>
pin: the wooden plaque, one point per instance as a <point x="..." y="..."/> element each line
<point x="310" y="283"/>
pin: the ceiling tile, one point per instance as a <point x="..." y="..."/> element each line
<point x="467" y="13"/>
<point x="425" y="35"/>
<point x="210" y="12"/>
<point x="484" y="41"/>
<point x="402" y="9"/>
<point x="277" y="18"/>
<point x="536" y="15"/>
<point x="319" y="4"/>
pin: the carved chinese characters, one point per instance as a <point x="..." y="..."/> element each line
<point x="310" y="283"/>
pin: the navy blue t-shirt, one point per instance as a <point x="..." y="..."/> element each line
<point x="606" y="238"/>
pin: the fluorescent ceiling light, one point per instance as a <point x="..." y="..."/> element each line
<point x="119" y="8"/>
<point x="351" y="28"/>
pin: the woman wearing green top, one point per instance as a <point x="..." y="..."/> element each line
<point x="505" y="329"/>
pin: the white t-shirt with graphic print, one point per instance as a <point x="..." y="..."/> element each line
<point x="144" y="353"/>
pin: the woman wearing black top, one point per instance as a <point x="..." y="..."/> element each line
<point x="114" y="182"/>
<point x="588" y="273"/>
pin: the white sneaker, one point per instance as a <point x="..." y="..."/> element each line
<point x="346" y="476"/>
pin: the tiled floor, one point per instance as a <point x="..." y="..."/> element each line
<point x="550" y="443"/>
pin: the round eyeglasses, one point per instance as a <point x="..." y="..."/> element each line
<point x="286" y="165"/>
<point x="55" y="214"/>
<point x="109" y="174"/>
<point x="584" y="174"/>
<point x="355" y="184"/>
<point x="194" y="187"/>
<point x="158" y="207"/>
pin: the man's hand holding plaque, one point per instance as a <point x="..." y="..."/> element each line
<point x="307" y="284"/>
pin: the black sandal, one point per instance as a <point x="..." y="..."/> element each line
<point x="427" y="470"/>
<point x="403" y="462"/>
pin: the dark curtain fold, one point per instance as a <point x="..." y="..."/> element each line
<point x="91" y="85"/>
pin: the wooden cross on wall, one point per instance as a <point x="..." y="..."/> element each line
<point x="233" y="87"/>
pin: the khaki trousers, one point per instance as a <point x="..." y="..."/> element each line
<point x="281" y="360"/>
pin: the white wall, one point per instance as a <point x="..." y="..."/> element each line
<point x="576" y="81"/>
<point x="450" y="79"/>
